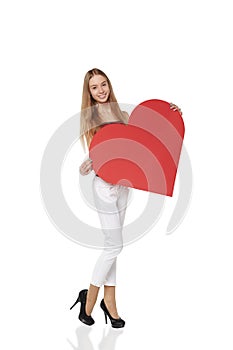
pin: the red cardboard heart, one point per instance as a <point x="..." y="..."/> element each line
<point x="143" y="154"/>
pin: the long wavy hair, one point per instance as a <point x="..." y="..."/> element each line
<point x="90" y="119"/>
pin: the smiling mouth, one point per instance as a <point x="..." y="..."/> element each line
<point x="102" y="96"/>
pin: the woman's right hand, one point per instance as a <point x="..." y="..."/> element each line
<point x="86" y="167"/>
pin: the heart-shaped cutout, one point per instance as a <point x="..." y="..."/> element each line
<point x="144" y="153"/>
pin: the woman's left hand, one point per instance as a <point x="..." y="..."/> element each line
<point x="175" y="108"/>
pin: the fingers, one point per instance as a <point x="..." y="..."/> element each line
<point x="175" y="108"/>
<point x="86" y="167"/>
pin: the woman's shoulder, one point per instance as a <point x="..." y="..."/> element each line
<point x="126" y="115"/>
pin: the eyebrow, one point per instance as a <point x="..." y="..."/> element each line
<point x="104" y="81"/>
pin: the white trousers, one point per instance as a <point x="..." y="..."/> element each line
<point x="111" y="203"/>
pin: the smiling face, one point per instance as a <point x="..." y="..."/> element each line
<point x="99" y="88"/>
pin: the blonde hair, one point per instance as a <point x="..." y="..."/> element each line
<point x="90" y="119"/>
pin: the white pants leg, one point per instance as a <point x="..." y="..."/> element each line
<point x="111" y="203"/>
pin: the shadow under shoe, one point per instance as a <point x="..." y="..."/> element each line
<point x="83" y="317"/>
<point x="116" y="322"/>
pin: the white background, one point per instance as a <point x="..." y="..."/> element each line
<point x="174" y="291"/>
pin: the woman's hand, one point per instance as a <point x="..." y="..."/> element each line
<point x="175" y="107"/>
<point x="86" y="167"/>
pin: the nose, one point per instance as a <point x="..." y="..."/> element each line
<point x="101" y="89"/>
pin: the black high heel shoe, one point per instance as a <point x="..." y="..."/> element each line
<point x="116" y="322"/>
<point x="83" y="317"/>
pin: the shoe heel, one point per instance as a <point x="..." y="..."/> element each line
<point x="77" y="301"/>
<point x="106" y="319"/>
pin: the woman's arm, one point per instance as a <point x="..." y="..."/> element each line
<point x="126" y="115"/>
<point x="86" y="167"/>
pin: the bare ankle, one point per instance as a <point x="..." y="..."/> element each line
<point x="88" y="308"/>
<point x="111" y="306"/>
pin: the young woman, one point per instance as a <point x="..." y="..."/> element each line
<point x="100" y="107"/>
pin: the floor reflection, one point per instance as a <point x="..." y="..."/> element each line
<point x="108" y="341"/>
<point x="109" y="338"/>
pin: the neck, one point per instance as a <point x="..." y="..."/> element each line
<point x="104" y="107"/>
<point x="105" y="112"/>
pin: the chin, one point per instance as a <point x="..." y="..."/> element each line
<point x="103" y="101"/>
